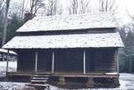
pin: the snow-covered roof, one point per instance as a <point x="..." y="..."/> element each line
<point x="6" y="51"/>
<point x="66" y="41"/>
<point x="69" y="22"/>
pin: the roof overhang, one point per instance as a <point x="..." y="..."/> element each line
<point x="65" y="41"/>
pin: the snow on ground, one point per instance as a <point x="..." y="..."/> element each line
<point x="11" y="68"/>
<point x="11" y="86"/>
<point x="126" y="80"/>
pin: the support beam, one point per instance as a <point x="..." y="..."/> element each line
<point x="3" y="57"/>
<point x="84" y="62"/>
<point x="36" y="61"/>
<point x="7" y="58"/>
<point x="53" y="62"/>
<point x="130" y="65"/>
<point x="117" y="60"/>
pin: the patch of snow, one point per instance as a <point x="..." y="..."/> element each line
<point x="66" y="41"/>
<point x="12" y="67"/>
<point x="127" y="81"/>
<point x="6" y="51"/>
<point x="11" y="85"/>
<point x="111" y="73"/>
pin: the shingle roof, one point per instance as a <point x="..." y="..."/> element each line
<point x="66" y="41"/>
<point x="69" y="22"/>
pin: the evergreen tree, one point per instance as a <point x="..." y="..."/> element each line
<point x="13" y="25"/>
<point x="127" y="54"/>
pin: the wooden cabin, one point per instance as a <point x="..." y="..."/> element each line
<point x="70" y="48"/>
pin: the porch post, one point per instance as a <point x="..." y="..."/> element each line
<point x="7" y="58"/>
<point x="3" y="58"/>
<point x="117" y="60"/>
<point x="36" y="61"/>
<point x="84" y="62"/>
<point x="53" y="62"/>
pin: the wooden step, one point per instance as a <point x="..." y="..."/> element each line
<point x="37" y="75"/>
<point x="38" y="81"/>
<point x="39" y="78"/>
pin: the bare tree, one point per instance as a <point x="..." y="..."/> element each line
<point x="35" y="5"/>
<point x="107" y="6"/>
<point x="22" y="10"/>
<point x="73" y="8"/>
<point x="131" y="16"/>
<point x="5" y="21"/>
<point x="78" y="6"/>
<point x="84" y="6"/>
<point x="52" y="7"/>
<point x="132" y="19"/>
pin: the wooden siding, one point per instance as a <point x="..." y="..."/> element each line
<point x="101" y="60"/>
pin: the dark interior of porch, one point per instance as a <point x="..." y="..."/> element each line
<point x="68" y="60"/>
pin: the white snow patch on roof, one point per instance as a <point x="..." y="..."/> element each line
<point x="66" y="41"/>
<point x="69" y="22"/>
<point x="6" y="51"/>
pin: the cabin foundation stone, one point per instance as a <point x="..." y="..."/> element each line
<point x="61" y="81"/>
<point x="90" y="82"/>
<point x="116" y="82"/>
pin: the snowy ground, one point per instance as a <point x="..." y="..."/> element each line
<point x="126" y="81"/>
<point x="12" y="67"/>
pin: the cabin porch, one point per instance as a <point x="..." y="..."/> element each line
<point x="67" y="65"/>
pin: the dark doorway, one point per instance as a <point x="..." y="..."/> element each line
<point x="44" y="60"/>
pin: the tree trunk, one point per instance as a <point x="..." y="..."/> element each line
<point x="5" y="21"/>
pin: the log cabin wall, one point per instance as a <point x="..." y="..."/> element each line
<point x="101" y="60"/>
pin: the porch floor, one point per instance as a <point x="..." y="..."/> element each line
<point x="65" y="74"/>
